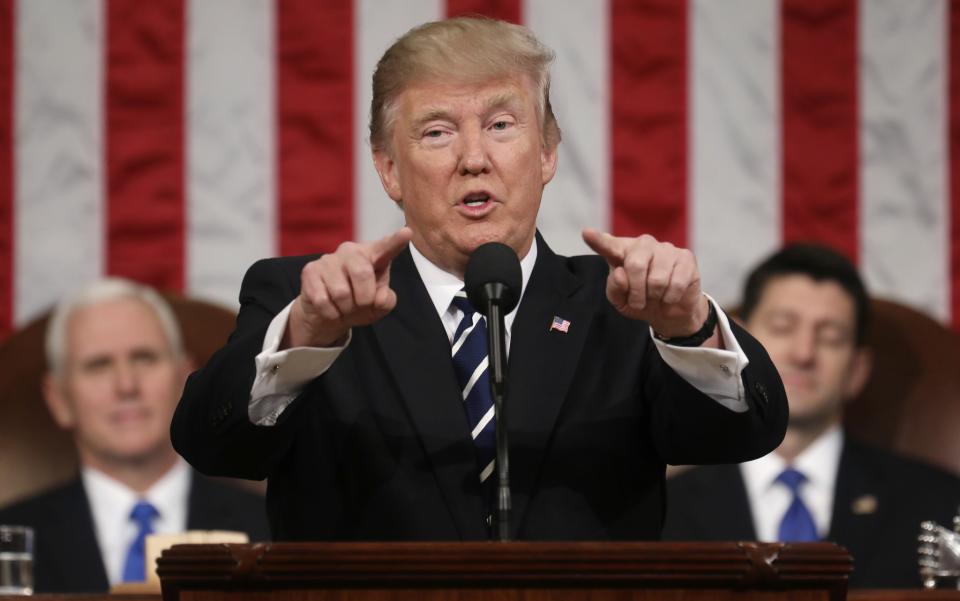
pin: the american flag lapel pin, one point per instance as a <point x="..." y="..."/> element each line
<point x="559" y="324"/>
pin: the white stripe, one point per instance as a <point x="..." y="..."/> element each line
<point x="904" y="203"/>
<point x="487" y="471"/>
<point x="230" y="143"/>
<point x="483" y="423"/>
<point x="58" y="120"/>
<point x="578" y="196"/>
<point x="476" y="376"/>
<point x="734" y="139"/>
<point x="378" y="24"/>
<point x="463" y="337"/>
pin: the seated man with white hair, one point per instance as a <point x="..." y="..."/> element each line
<point x="116" y="370"/>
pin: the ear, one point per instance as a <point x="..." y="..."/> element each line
<point x="548" y="163"/>
<point x="860" y="368"/>
<point x="57" y="402"/>
<point x="389" y="175"/>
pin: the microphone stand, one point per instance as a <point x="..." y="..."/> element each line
<point x="497" y="344"/>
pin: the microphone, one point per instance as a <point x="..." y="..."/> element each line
<point x="493" y="281"/>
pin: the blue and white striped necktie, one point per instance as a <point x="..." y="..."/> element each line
<point x="470" y="362"/>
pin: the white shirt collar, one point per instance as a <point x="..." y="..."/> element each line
<point x="442" y="286"/>
<point x="819" y="462"/>
<point x="111" y="502"/>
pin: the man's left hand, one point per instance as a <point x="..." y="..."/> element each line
<point x="653" y="281"/>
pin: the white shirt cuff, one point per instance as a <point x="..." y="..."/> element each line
<point x="282" y="375"/>
<point x="714" y="372"/>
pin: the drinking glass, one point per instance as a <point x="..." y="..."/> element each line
<point x="16" y="560"/>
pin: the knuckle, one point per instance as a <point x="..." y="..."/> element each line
<point x="634" y="263"/>
<point x="339" y="293"/>
<point x="657" y="282"/>
<point x="347" y="247"/>
<point x="360" y="270"/>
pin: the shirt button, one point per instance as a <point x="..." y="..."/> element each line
<point x="725" y="369"/>
<point x="489" y="520"/>
<point x="276" y="367"/>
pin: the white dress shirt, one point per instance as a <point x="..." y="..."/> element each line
<point x="770" y="499"/>
<point x="282" y="374"/>
<point x="111" y="503"/>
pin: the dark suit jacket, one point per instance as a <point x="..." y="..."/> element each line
<point x="710" y="503"/>
<point x="66" y="556"/>
<point x="378" y="448"/>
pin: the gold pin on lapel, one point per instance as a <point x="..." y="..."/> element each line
<point x="864" y="505"/>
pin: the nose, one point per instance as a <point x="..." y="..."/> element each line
<point x="126" y="380"/>
<point x="474" y="159"/>
<point x="804" y="346"/>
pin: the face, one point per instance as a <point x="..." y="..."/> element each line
<point x="809" y="329"/>
<point x="468" y="165"/>
<point x="119" y="383"/>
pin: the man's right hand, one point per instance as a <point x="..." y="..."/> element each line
<point x="343" y="289"/>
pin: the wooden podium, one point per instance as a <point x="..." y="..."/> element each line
<point x="504" y="571"/>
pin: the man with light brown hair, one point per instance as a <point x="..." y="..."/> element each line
<point x="357" y="382"/>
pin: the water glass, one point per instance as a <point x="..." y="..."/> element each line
<point x="16" y="560"/>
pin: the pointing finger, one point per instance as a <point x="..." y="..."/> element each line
<point x="607" y="246"/>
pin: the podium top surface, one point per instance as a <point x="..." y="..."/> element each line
<point x="514" y="564"/>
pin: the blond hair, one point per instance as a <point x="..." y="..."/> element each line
<point x="467" y="50"/>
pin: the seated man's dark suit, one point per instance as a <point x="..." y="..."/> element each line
<point x="378" y="447"/>
<point x="879" y="501"/>
<point x="67" y="558"/>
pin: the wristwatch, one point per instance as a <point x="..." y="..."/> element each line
<point x="698" y="337"/>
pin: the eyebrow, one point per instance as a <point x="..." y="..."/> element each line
<point x="503" y="100"/>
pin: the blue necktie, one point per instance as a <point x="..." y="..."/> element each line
<point x="470" y="364"/>
<point x="797" y="524"/>
<point x="142" y="515"/>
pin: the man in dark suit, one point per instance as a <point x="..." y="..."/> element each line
<point x="344" y="382"/>
<point x="117" y="368"/>
<point x="809" y="308"/>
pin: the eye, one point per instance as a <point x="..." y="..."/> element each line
<point x="500" y="125"/>
<point x="145" y="357"/>
<point x="96" y="366"/>
<point x="433" y="133"/>
<point x="834" y="336"/>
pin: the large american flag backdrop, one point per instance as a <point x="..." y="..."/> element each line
<point x="177" y="141"/>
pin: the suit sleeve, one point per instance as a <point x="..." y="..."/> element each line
<point x="689" y="427"/>
<point x="211" y="428"/>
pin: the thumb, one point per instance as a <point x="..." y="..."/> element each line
<point x="385" y="250"/>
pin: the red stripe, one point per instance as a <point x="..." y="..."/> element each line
<point x="506" y="10"/>
<point x="144" y="141"/>
<point x="954" y="141"/>
<point x="315" y="124"/>
<point x="820" y="144"/>
<point x="6" y="166"/>
<point x="649" y="117"/>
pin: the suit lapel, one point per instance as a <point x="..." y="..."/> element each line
<point x="541" y="366"/>
<point x="417" y="351"/>
<point x="82" y="561"/>
<point x="732" y="505"/>
<point x="858" y="507"/>
<point x="718" y="507"/>
<point x="205" y="509"/>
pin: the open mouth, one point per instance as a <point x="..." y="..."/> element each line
<point x="476" y="199"/>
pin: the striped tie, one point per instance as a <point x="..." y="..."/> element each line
<point x="470" y="364"/>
